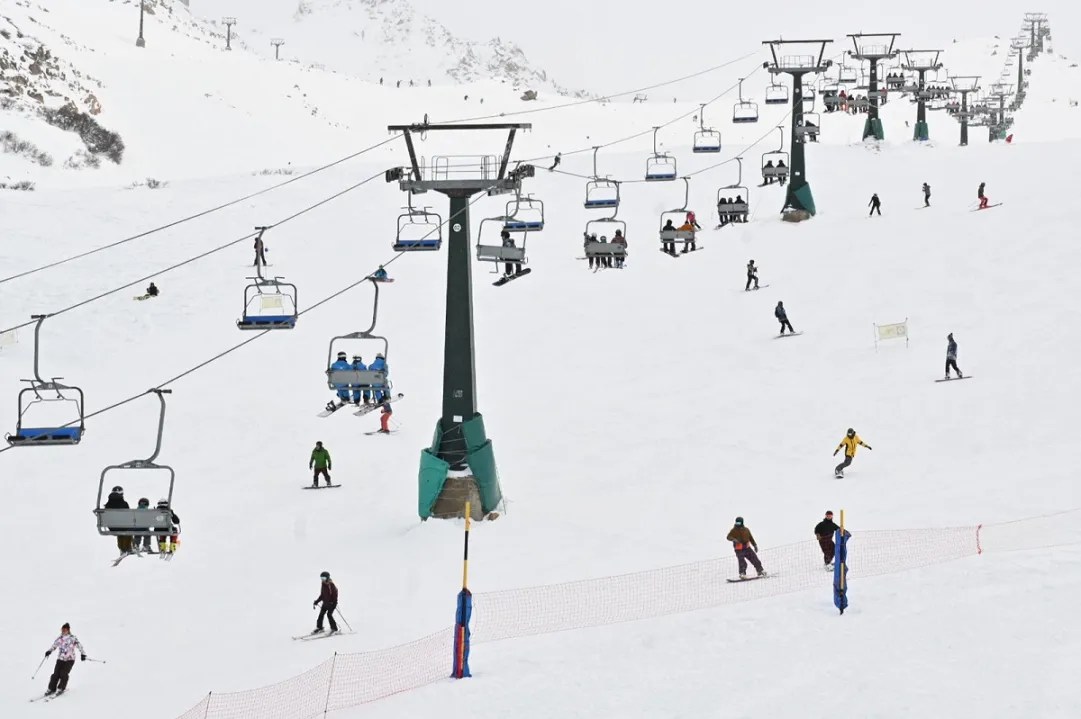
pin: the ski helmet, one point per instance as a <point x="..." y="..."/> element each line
<point x="850" y="432"/>
<point x="357" y="358"/>
<point x="144" y="502"/>
<point x="163" y="504"/>
<point x="324" y="575"/>
<point x="118" y="489"/>
<point x="380" y="356"/>
<point x="341" y="355"/>
<point x="739" y="521"/>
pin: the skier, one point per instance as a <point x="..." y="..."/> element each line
<point x="824" y="531"/>
<point x="951" y="357"/>
<point x="343" y="389"/>
<point x="875" y="204"/>
<point x="116" y="501"/>
<point x="260" y="252"/>
<point x="619" y="239"/>
<point x="66" y="643"/>
<point x="849" y="442"/>
<point x="358" y="364"/>
<point x="379" y="365"/>
<point x="752" y="276"/>
<point x="740" y="216"/>
<point x="328" y="596"/>
<point x="926" y="195"/>
<point x="746" y="548"/>
<point x="782" y="317"/>
<point x="555" y="162"/>
<point x="142" y="543"/>
<point x="380" y="275"/>
<point x="168" y="536"/>
<point x="768" y="177"/>
<point x="320" y="462"/>
<point x="586" y="239"/>
<point x="512" y="268"/>
<point x="983" y="197"/>
<point x="384" y="416"/>
<point x="782" y="172"/>
<point x="668" y="245"/>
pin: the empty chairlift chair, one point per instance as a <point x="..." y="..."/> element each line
<point x="600" y="191"/>
<point x="744" y="111"/>
<point x="660" y="167"/>
<point x="776" y="94"/>
<point x="419" y="230"/>
<point x="524" y="214"/>
<point x="269" y="304"/>
<point x="706" y="139"/>
<point x="40" y="395"/>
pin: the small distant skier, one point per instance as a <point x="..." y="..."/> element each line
<point x="782" y="317"/>
<point x="379" y="365"/>
<point x="152" y="290"/>
<point x="875" y="204"/>
<point x="260" y="252"/>
<point x="692" y="220"/>
<point x="320" y="463"/>
<point x="341" y="363"/>
<point x="143" y="543"/>
<point x="512" y="268"/>
<point x="621" y="240"/>
<point x="381" y="275"/>
<point x="384" y="416"/>
<point x="951" y="357"/>
<point x="168" y="534"/>
<point x="752" y="276"/>
<point x="359" y="366"/>
<point x="746" y="548"/>
<point x="824" y="532"/>
<point x="849" y="442"/>
<point x="65" y="646"/>
<point x="328" y="597"/>
<point x="668" y="246"/>
<point x="782" y="172"/>
<point x="926" y="195"/>
<point x="555" y="162"/>
<point x="983" y="197"/>
<point x="116" y="501"/>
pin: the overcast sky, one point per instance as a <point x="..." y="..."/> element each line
<point x="606" y="44"/>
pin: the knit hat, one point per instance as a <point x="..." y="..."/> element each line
<point x="66" y="626"/>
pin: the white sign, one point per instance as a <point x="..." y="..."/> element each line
<point x="457" y="227"/>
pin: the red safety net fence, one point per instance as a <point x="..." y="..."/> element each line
<point x="348" y="680"/>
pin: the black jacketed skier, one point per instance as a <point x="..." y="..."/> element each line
<point x="65" y="646"/>
<point x="745" y="547"/>
<point x="142" y="543"/>
<point x="668" y="246"/>
<point x="782" y="317"/>
<point x="328" y="597"/>
<point x="849" y="442"/>
<point x="875" y="204"/>
<point x="151" y="290"/>
<point x="555" y="161"/>
<point x="926" y="195"/>
<point x="260" y="252"/>
<point x="982" y="195"/>
<point x="512" y="267"/>
<point x="116" y="501"/>
<point x="951" y="357"/>
<point x="824" y="533"/>
<point x="320" y="463"/>
<point x="752" y="276"/>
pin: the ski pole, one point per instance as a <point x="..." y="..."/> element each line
<point x="97" y="661"/>
<point x="344" y="621"/>
<point x="39" y="667"/>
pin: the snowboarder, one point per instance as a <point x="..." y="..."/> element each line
<point x="358" y="365"/>
<point x="512" y="268"/>
<point x="151" y="291"/>
<point x="116" y="501"/>
<point x="555" y="162"/>
<point x="384" y="416"/>
<point x="260" y="252"/>
<point x="752" y="276"/>
<point x="849" y="443"/>
<point x="168" y="534"/>
<point x="381" y="275"/>
<point x="782" y="317"/>
<point x="746" y="548"/>
<point x="328" y="597"/>
<point x="65" y="645"/>
<point x="342" y="363"/>
<point x="824" y="531"/>
<point x="926" y="195"/>
<point x="379" y="365"/>
<point x="951" y="357"/>
<point x="320" y="463"/>
<point x="875" y="204"/>
<point x="983" y="197"/>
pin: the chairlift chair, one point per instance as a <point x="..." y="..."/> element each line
<point x="269" y="304"/>
<point x="600" y="191"/>
<point x="771" y="167"/>
<point x="524" y="214"/>
<point x="498" y="253"/>
<point x="660" y="166"/>
<point x="812" y="123"/>
<point x="42" y="392"/>
<point x="137" y="521"/>
<point x="776" y="93"/>
<point x="744" y="111"/>
<point x="679" y="215"/>
<point x="419" y="230"/>
<point x="831" y="95"/>
<point x="846" y="74"/>
<point x="605" y="228"/>
<point x="727" y="207"/>
<point x="706" y="139"/>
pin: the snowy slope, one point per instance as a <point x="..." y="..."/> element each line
<point x="633" y="415"/>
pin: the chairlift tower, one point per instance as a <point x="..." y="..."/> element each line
<point x="873" y="48"/>
<point x="277" y="42"/>
<point x="921" y="62"/>
<point x="999" y="122"/>
<point x="460" y="438"/>
<point x="229" y="22"/>
<point x="1018" y="44"/>
<point x="1036" y="22"/>
<point x="140" y="42"/>
<point x="964" y="84"/>
<point x="798" y="198"/>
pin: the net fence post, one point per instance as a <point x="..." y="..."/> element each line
<point x="330" y="683"/>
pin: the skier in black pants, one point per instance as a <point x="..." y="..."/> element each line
<point x="555" y="162"/>
<point x="752" y="276"/>
<point x="328" y="596"/>
<point x="875" y="204"/>
<point x="926" y="195"/>
<point x="260" y="252"/>
<point x="782" y="317"/>
<point x="512" y="267"/>
<point x="824" y="532"/>
<point x="66" y="643"/>
<point x="951" y="357"/>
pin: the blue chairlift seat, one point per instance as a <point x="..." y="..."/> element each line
<point x="429" y="244"/>
<point x="42" y="436"/>
<point x="267" y="322"/>
<point x="515" y="225"/>
<point x="602" y="202"/>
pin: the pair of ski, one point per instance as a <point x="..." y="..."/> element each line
<point x="362" y="410"/>
<point x="986" y="208"/>
<point x="49" y="697"/>
<point x="320" y="635"/>
<point x="162" y="555"/>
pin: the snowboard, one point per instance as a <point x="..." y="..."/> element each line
<point x="986" y="208"/>
<point x="749" y="579"/>
<point x="505" y="279"/>
<point x="789" y="334"/>
<point x="320" y="635"/>
<point x="331" y="408"/>
<point x="140" y="298"/>
<point x="760" y="287"/>
<point x="321" y="486"/>
<point x="365" y="409"/>
<point x="951" y="379"/>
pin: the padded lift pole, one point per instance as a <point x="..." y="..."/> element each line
<point x="920" y="62"/>
<point x="798" y="198"/>
<point x="873" y="48"/>
<point x="964" y="84"/>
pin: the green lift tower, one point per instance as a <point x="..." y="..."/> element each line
<point x="963" y="85"/>
<point x="921" y="62"/>
<point x="873" y="48"/>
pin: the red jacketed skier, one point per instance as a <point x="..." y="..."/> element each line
<point x="983" y="197"/>
<point x="384" y="416"/>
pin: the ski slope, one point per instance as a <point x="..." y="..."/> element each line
<point x="633" y="415"/>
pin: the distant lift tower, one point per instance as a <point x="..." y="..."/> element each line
<point x="1018" y="45"/>
<point x="1036" y="22"/>
<point x="964" y="84"/>
<point x="873" y="48"/>
<point x="999" y="122"/>
<point x="799" y="196"/>
<point x="920" y="62"/>
<point x="277" y="42"/>
<point x="460" y="440"/>
<point x="229" y="22"/>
